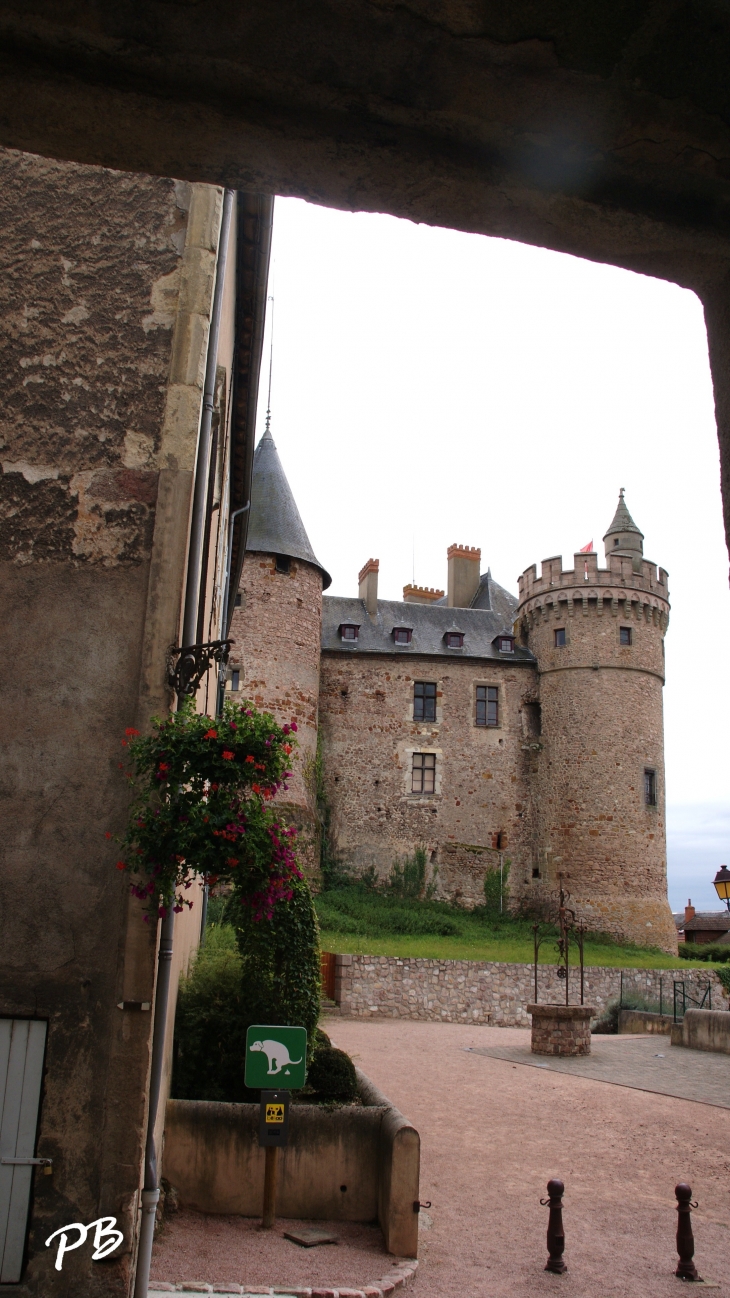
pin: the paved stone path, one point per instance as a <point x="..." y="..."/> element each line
<point x="642" y="1063"/>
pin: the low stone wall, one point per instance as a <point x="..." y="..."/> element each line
<point x="351" y="1163"/>
<point x="474" y="991"/>
<point x="642" y="1021"/>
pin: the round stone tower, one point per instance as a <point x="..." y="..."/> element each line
<point x="277" y="628"/>
<point x="597" y="768"/>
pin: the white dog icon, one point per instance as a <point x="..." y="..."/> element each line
<point x="277" y="1055"/>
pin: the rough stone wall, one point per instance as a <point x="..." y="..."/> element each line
<point x="277" y="630"/>
<point x="105" y="289"/>
<point x="368" y="737"/>
<point x="471" y="991"/>
<point x="602" y="726"/>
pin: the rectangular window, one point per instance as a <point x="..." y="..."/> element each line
<point x="487" y="705"/>
<point x="650" y="788"/>
<point x="235" y="680"/>
<point x="237" y="601"/>
<point x="559" y="637"/>
<point x="424" y="701"/>
<point x="625" y="635"/>
<point x="423" y="779"/>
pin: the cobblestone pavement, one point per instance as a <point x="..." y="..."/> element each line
<point x="493" y="1133"/>
<point x="641" y="1063"/>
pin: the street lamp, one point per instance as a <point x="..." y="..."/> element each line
<point x="722" y="885"/>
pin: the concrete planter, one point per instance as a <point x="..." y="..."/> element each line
<point x="343" y="1164"/>
<point x="704" y="1030"/>
<point x="561" y="1029"/>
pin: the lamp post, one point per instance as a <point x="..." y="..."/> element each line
<point x="722" y="885"/>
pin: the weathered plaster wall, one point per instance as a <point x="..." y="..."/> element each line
<point x="277" y="630"/>
<point x="105" y="292"/>
<point x="368" y="737"/>
<point x="602" y="726"/>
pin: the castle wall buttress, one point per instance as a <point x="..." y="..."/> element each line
<point x="277" y="630"/>
<point x="598" y="794"/>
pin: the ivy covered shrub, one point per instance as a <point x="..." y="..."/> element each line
<point x="203" y="790"/>
<point x="714" y="952"/>
<point x="250" y="970"/>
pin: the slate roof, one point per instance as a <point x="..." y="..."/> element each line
<point x="429" y="624"/>
<point x="708" y="919"/>
<point x="492" y="597"/>
<point x="622" y="520"/>
<point x="275" y="526"/>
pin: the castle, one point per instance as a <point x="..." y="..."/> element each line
<point x="479" y="726"/>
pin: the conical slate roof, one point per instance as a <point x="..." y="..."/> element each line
<point x="275" y="526"/>
<point x="622" y="520"/>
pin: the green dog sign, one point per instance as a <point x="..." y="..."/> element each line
<point x="275" y="1057"/>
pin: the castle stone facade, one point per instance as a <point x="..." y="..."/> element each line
<point x="482" y="728"/>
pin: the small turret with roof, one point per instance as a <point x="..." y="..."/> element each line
<point x="623" y="536"/>
<point x="276" y="628"/>
<point x="276" y="525"/>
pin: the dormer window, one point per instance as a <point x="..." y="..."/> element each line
<point x="506" y="644"/>
<point x="402" y="634"/>
<point x="349" y="632"/>
<point x="454" y="639"/>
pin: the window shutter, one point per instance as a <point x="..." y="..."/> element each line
<point x="22" y="1046"/>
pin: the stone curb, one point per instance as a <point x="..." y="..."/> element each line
<point x="401" y="1274"/>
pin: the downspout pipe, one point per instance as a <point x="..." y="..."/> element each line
<point x="151" y="1185"/>
<point x="227" y="597"/>
<point x="197" y="522"/>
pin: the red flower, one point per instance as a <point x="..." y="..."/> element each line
<point x="260" y="766"/>
<point x="131" y="731"/>
<point x="287" y="748"/>
<point x="256" y="788"/>
<point x="249" y="759"/>
<point x="164" y="766"/>
<point x="107" y="834"/>
<point x="121" y="865"/>
<point x="210" y="734"/>
<point x="227" y="755"/>
<point x="232" y="860"/>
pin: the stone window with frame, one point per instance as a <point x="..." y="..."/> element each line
<point x="236" y="679"/>
<point x="649" y="787"/>
<point x="424" y="700"/>
<point x="559" y="637"/>
<point x="625" y="635"/>
<point x="487" y="705"/>
<point x="423" y="773"/>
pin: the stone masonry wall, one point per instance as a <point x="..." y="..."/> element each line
<point x="368" y="738"/>
<point x="602" y="726"/>
<point x="277" y="630"/>
<point x="497" y="993"/>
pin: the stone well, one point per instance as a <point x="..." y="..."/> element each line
<point x="561" y="1029"/>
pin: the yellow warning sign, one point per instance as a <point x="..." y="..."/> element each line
<point x="274" y="1112"/>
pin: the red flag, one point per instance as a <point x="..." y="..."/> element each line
<point x="586" y="549"/>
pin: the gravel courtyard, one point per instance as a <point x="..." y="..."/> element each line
<point x="492" y="1133"/>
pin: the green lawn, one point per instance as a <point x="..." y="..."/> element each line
<point x="511" y="950"/>
<point x="353" y="919"/>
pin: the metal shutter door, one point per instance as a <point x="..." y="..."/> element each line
<point x="22" y="1045"/>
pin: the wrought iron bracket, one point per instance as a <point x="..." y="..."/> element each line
<point x="187" y="666"/>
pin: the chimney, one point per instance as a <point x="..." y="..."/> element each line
<point x="464" y="562"/>
<point x="421" y="594"/>
<point x="689" y="911"/>
<point x="368" y="579"/>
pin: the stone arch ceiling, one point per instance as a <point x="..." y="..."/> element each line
<point x="600" y="129"/>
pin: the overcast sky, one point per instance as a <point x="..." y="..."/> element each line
<point x="431" y="387"/>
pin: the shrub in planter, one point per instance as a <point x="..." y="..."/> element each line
<point x="332" y="1075"/>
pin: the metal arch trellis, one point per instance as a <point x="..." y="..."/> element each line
<point x="570" y="930"/>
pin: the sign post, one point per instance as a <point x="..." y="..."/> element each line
<point x="274" y="1054"/>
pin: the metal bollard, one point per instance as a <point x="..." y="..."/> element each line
<point x="686" y="1269"/>
<point x="555" y="1232"/>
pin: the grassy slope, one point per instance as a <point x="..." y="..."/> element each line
<point x="368" y="924"/>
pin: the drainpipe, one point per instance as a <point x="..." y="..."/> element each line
<point x="151" y="1188"/>
<point x="227" y="596"/>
